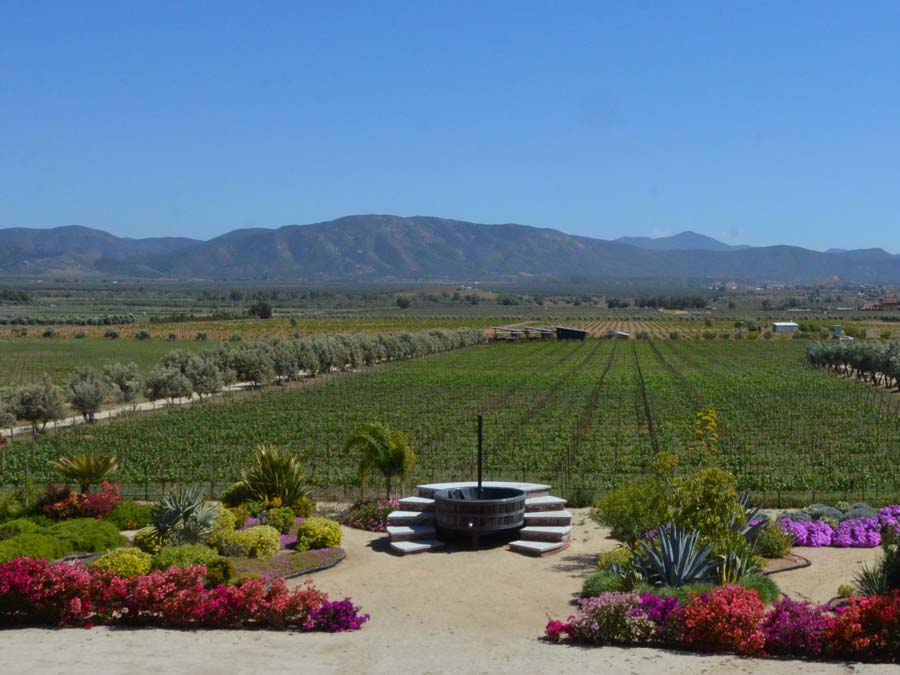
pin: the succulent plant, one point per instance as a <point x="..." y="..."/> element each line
<point x="674" y="558"/>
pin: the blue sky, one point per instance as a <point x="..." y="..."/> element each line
<point x="754" y="122"/>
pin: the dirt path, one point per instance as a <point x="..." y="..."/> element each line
<point x="457" y="612"/>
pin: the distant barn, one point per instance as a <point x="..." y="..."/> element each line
<point x="567" y="333"/>
<point x="785" y="327"/>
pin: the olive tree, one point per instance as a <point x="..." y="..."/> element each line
<point x="167" y="382"/>
<point x="204" y="375"/>
<point x="86" y="393"/>
<point x="38" y="404"/>
<point x="124" y="379"/>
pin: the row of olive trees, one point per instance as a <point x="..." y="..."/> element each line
<point x="181" y="373"/>
<point x="875" y="362"/>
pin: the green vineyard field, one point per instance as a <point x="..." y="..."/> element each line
<point x="582" y="416"/>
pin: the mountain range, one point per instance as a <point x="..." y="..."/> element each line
<point x="385" y="247"/>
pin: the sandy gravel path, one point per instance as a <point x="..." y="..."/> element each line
<point x="456" y="612"/>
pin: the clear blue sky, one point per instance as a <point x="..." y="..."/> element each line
<point x="755" y="122"/>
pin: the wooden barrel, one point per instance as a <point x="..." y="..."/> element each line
<point x="493" y="510"/>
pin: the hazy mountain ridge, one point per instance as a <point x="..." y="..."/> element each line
<point x="683" y="241"/>
<point x="370" y="247"/>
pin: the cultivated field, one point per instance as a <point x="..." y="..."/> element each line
<point x="581" y="416"/>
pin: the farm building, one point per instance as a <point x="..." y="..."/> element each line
<point x="508" y="334"/>
<point x="566" y="333"/>
<point x="785" y="327"/>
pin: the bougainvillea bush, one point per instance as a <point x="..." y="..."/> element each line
<point x="371" y="515"/>
<point x="734" y="619"/>
<point x="40" y="592"/>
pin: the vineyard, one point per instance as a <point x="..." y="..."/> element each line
<point x="582" y="416"/>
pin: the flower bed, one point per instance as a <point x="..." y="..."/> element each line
<point x="734" y="619"/>
<point x="40" y="592"/>
<point x="854" y="533"/>
<point x="288" y="564"/>
<point x="370" y="515"/>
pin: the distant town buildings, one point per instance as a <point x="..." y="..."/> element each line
<point x="883" y="305"/>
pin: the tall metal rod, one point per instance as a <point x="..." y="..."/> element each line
<point x="480" y="452"/>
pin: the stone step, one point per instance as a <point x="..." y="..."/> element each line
<point x="548" y="533"/>
<point x="537" y="548"/>
<point x="421" y="546"/>
<point x="548" y="518"/>
<point x="416" y="504"/>
<point x="410" y="518"/>
<point x="546" y="503"/>
<point x="410" y="532"/>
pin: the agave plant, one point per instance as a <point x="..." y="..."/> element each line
<point x="276" y="474"/>
<point x="754" y="519"/>
<point x="734" y="565"/>
<point x="675" y="558"/>
<point x="184" y="516"/>
<point x="86" y="470"/>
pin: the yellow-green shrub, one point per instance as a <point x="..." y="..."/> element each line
<point x="317" y="533"/>
<point x="185" y="555"/>
<point x="304" y="507"/>
<point x="260" y="541"/>
<point x="148" y="540"/>
<point x="224" y="524"/>
<point x="125" y="562"/>
<point x="620" y="555"/>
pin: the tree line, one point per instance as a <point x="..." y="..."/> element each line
<point x="181" y="373"/>
<point x="873" y="362"/>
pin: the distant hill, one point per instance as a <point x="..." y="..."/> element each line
<point x="683" y="241"/>
<point x="385" y="247"/>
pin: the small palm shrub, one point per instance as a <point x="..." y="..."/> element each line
<point x="85" y="470"/>
<point x="316" y="533"/>
<point x="184" y="517"/>
<point x="184" y="555"/>
<point x="382" y="450"/>
<point x="260" y="541"/>
<point x="276" y="473"/>
<point x="125" y="562"/>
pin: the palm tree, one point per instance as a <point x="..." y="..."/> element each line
<point x="382" y="450"/>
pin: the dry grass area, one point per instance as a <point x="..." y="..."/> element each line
<point x="455" y="612"/>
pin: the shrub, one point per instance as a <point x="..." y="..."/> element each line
<point x="33" y="545"/>
<point x="884" y="575"/>
<point x="602" y="582"/>
<point x="276" y="473"/>
<point x="218" y="572"/>
<point x="867" y="626"/>
<point x="371" y="515"/>
<point x="125" y="562"/>
<point x="62" y="503"/>
<point x="282" y="519"/>
<point x="148" y="540"/>
<point x="793" y="627"/>
<point x="129" y="515"/>
<point x="707" y="501"/>
<point x="87" y="535"/>
<point x="315" y="533"/>
<point x="621" y="556"/>
<point x="183" y="556"/>
<point x="11" y="528"/>
<point x="612" y="618"/>
<point x="304" y="507"/>
<point x="632" y="510"/>
<point x="772" y="541"/>
<point x="240" y="513"/>
<point x="235" y="495"/>
<point x="765" y="586"/>
<point x="223" y="525"/>
<point x="680" y="593"/>
<point x="260" y="541"/>
<point x="727" y="619"/>
<point x="36" y="591"/>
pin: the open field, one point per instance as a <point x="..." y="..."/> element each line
<point x="581" y="416"/>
